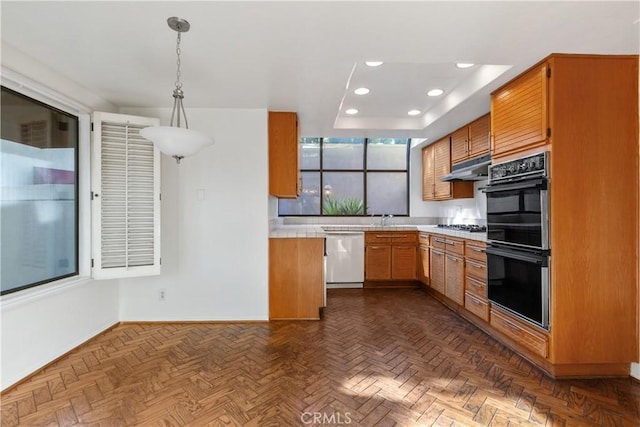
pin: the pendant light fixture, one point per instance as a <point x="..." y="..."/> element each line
<point x="176" y="141"/>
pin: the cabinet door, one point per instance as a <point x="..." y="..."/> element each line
<point x="479" y="136"/>
<point x="428" y="173"/>
<point x="423" y="265"/>
<point x="442" y="162"/>
<point x="403" y="262"/>
<point x="377" y="259"/>
<point x="454" y="280"/>
<point x="460" y="145"/>
<point x="437" y="270"/>
<point x="284" y="155"/>
<point x="519" y="113"/>
<point x="296" y="278"/>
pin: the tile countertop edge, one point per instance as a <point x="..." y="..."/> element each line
<point x="318" y="231"/>
<point x="433" y="229"/>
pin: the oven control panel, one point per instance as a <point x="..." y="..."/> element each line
<point x="525" y="168"/>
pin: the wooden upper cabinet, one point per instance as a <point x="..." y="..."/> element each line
<point x="436" y="163"/>
<point x="460" y="145"/>
<point x="284" y="155"/>
<point x="428" y="173"/>
<point x="479" y="136"/>
<point x="471" y="140"/>
<point x="442" y="166"/>
<point x="519" y="118"/>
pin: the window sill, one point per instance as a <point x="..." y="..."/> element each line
<point x="59" y="286"/>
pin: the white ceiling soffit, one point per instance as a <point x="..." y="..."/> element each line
<point x="395" y="89"/>
<point x="300" y="55"/>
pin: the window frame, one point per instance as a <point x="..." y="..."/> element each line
<point x="364" y="171"/>
<point x="29" y="88"/>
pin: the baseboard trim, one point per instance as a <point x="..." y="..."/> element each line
<point x="190" y="322"/>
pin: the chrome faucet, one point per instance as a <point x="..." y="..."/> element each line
<point x="384" y="219"/>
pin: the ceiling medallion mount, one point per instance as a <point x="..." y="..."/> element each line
<point x="178" y="24"/>
<point x="177" y="141"/>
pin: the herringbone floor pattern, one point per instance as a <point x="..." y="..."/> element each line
<point x="379" y="358"/>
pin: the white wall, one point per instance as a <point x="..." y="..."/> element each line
<point x="215" y="214"/>
<point x="42" y="323"/>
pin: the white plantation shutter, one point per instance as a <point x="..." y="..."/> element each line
<point x="126" y="198"/>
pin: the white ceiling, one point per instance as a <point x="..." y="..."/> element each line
<point x="309" y="56"/>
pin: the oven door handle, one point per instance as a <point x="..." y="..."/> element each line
<point x="519" y="255"/>
<point x="535" y="183"/>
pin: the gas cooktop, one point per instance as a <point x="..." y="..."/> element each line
<point x="472" y="228"/>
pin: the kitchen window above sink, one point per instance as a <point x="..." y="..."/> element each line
<point x="351" y="177"/>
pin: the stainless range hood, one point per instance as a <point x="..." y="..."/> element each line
<point x="472" y="170"/>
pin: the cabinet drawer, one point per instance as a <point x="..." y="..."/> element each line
<point x="449" y="244"/>
<point x="527" y="336"/>
<point x="405" y="237"/>
<point x="476" y="287"/>
<point x="382" y="237"/>
<point x="377" y="238"/>
<point x="476" y="269"/>
<point x="423" y="239"/>
<point x="477" y="306"/>
<point x="475" y="251"/>
<point x="455" y="246"/>
<point x="439" y="242"/>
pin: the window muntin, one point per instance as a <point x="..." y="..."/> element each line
<point x="351" y="176"/>
<point x="38" y="193"/>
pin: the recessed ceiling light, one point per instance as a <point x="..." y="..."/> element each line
<point x="361" y="91"/>
<point x="413" y="112"/>
<point x="435" y="92"/>
<point x="351" y="111"/>
<point x="373" y="63"/>
<point x="464" y="65"/>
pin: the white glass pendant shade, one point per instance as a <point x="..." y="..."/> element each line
<point x="176" y="142"/>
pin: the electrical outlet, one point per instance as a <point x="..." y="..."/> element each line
<point x="162" y="294"/>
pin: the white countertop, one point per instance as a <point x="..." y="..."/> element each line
<point x="319" y="231"/>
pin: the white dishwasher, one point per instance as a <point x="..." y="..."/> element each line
<point x="345" y="259"/>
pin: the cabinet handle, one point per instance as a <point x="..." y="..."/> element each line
<point x="453" y="258"/>
<point x="440" y="240"/>
<point x="474" y="265"/>
<point x="450" y="242"/>
<point x="377" y="247"/>
<point x="475" y="249"/>
<point x="378" y="236"/>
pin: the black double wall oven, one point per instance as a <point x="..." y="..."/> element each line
<point x="518" y="252"/>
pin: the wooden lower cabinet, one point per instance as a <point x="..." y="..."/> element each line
<point x="390" y="256"/>
<point x="403" y="262"/>
<point x="296" y="278"/>
<point x="476" y="305"/>
<point x="423" y="265"/>
<point x="521" y="332"/>
<point x="447" y="267"/>
<point x="475" y="280"/>
<point x="436" y="258"/>
<point x="377" y="262"/>
<point x="454" y="282"/>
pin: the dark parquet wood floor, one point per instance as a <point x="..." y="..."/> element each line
<point x="379" y="358"/>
